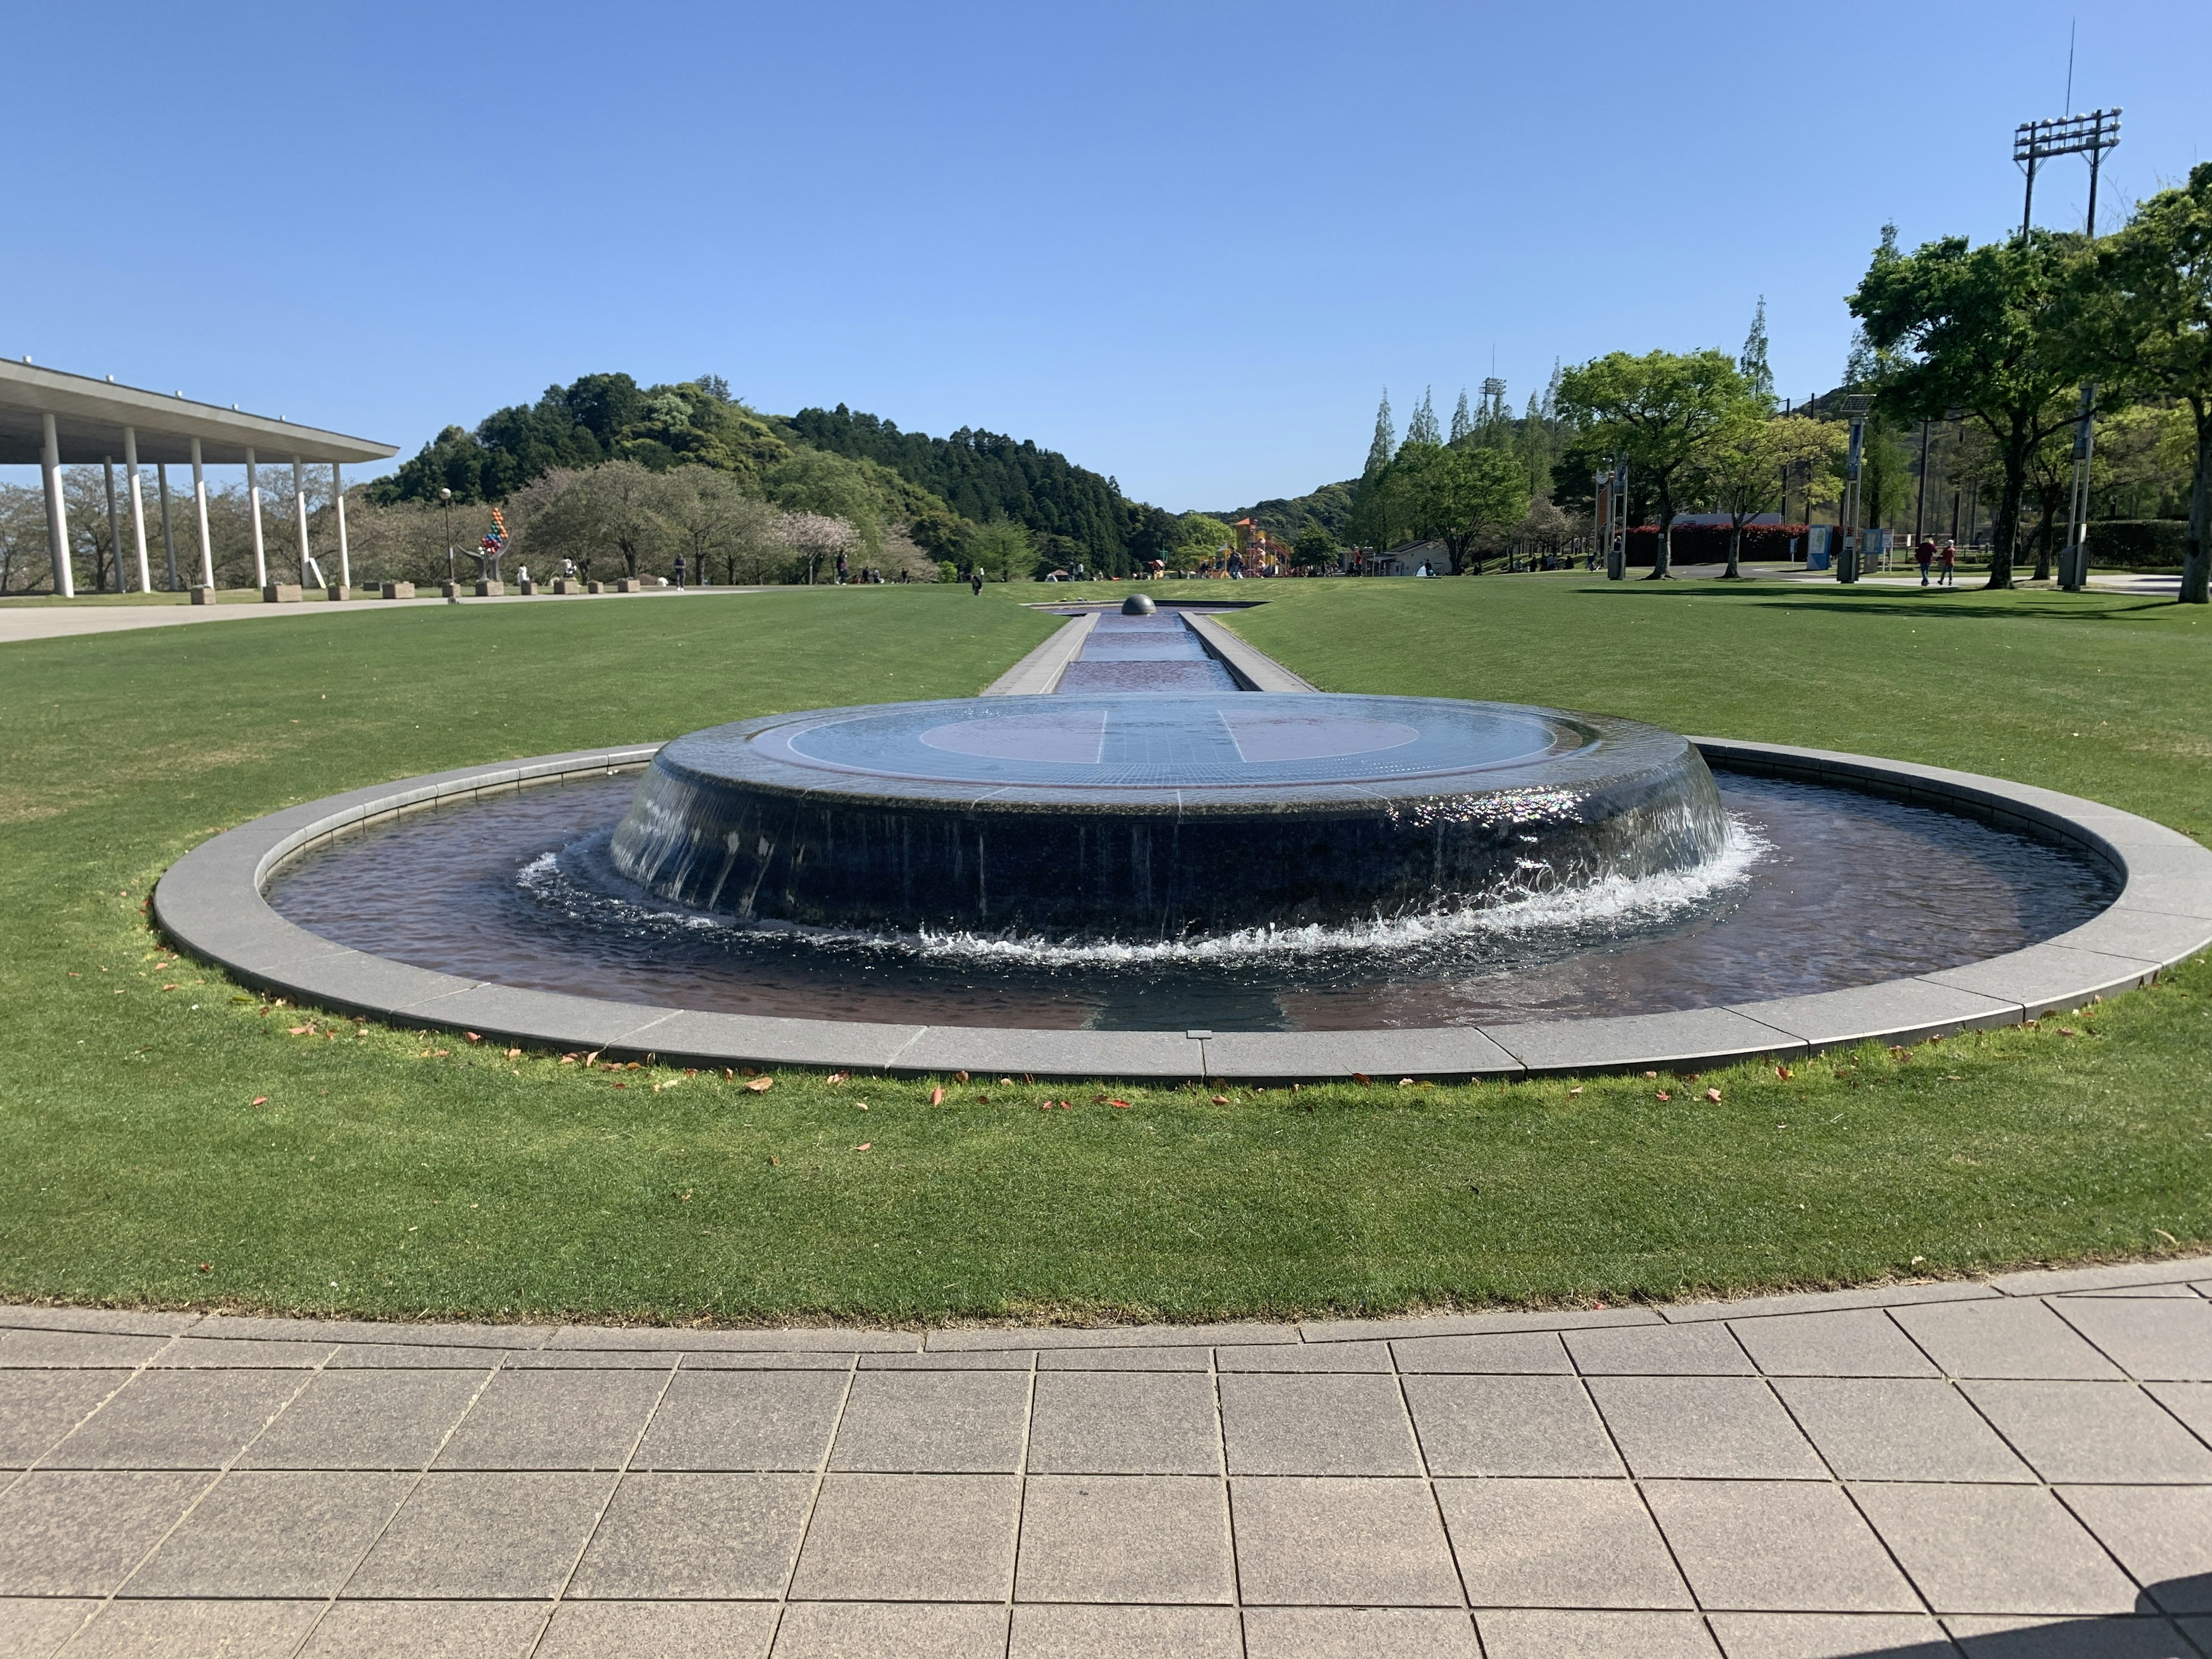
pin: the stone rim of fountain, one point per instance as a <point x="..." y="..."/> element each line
<point x="210" y="904"/>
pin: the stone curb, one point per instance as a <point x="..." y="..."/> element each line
<point x="586" y="1339"/>
<point x="210" y="903"/>
<point x="1252" y="670"/>
<point x="1038" y="675"/>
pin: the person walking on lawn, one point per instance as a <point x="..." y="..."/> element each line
<point x="1924" y="556"/>
<point x="1950" y="562"/>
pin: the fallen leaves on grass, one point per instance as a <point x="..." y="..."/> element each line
<point x="937" y="1097"/>
<point x="514" y="1053"/>
<point x="1784" y="1073"/>
<point x="774" y="1159"/>
<point x="837" y="1078"/>
<point x="1663" y="1095"/>
<point x="1123" y="1104"/>
<point x="761" y="1085"/>
<point x="207" y="1266"/>
<point x="258" y="1100"/>
<point x="1577" y="1089"/>
<point x="299" y="1030"/>
<point x="1223" y="1100"/>
<point x="473" y="1036"/>
<point x="866" y="1146"/>
<point x="960" y="1077"/>
<point x="1713" y="1094"/>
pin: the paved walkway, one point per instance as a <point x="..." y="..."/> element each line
<point x="54" y="621"/>
<point x="2020" y="1468"/>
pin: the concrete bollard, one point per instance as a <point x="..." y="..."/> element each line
<point x="399" y="590"/>
<point x="281" y="593"/>
<point x="491" y="590"/>
<point x="202" y="596"/>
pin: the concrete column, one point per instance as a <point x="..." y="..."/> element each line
<point x="253" y="501"/>
<point x="168" y="540"/>
<point x="199" y="507"/>
<point x="58" y="514"/>
<point x="137" y="507"/>
<point x="299" y="514"/>
<point x="114" y="526"/>
<point x="338" y="505"/>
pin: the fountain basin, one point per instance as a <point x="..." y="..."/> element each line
<point x="1145" y="817"/>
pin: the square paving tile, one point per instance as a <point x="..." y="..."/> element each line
<point x="1898" y="1429"/>
<point x="936" y="1422"/>
<point x="1340" y="1543"/>
<point x="1510" y="1425"/>
<point x="1305" y="1357"/>
<point x="2068" y="1638"/>
<point x="1702" y="1350"/>
<point x="743" y="1420"/>
<point x="1517" y="1352"/>
<point x="2008" y="1338"/>
<point x="1316" y="1425"/>
<point x="910" y="1537"/>
<point x="33" y="1628"/>
<point x="414" y="1357"/>
<point x="195" y="1630"/>
<point x="1125" y="1633"/>
<point x="1558" y="1544"/>
<point x="37" y="1408"/>
<point x="1124" y="1423"/>
<point x="1529" y="1633"/>
<point x="554" y="1420"/>
<point x="1125" y="1538"/>
<point x="369" y="1419"/>
<point x="1859" y="1342"/>
<point x="1777" y="1546"/>
<point x="273" y="1534"/>
<point x="861" y="1630"/>
<point x="177" y="1421"/>
<point x="1715" y="1427"/>
<point x="77" y="1533"/>
<point x="96" y="1348"/>
<point x="2154" y="1340"/>
<point x="483" y="1536"/>
<point x="2163" y="1535"/>
<point x="428" y="1629"/>
<point x="1994" y="1549"/>
<point x="659" y="1630"/>
<point x="2093" y="1432"/>
<point x="1831" y="1636"/>
<point x="1359" y="1633"/>
<point x="672" y="1537"/>
<point x="1004" y="1360"/>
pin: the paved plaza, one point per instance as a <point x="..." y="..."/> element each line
<point x="2020" y="1467"/>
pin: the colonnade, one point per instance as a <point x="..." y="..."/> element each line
<point x="58" y="517"/>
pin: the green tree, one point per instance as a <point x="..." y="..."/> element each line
<point x="1739" y="469"/>
<point x="1752" y="362"/>
<point x="1462" y="426"/>
<point x="1315" y="549"/>
<point x="1985" y="330"/>
<point x="1423" y="428"/>
<point x="1659" y="412"/>
<point x="1384" y="444"/>
<point x="1001" y="550"/>
<point x="1200" y="537"/>
<point x="2151" y="323"/>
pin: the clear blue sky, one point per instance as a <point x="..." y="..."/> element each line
<point x="1187" y="244"/>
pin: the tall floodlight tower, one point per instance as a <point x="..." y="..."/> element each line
<point x="2034" y="142"/>
<point x="1616" y="525"/>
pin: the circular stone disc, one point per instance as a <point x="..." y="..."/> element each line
<point x="1138" y="814"/>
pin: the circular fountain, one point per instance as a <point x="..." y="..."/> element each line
<point x="1150" y="817"/>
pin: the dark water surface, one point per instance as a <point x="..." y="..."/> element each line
<point x="1826" y="889"/>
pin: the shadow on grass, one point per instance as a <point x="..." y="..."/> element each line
<point x="1979" y="604"/>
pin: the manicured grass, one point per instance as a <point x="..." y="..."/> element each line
<point x="387" y="1172"/>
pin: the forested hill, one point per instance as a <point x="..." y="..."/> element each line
<point x="942" y="490"/>
<point x="1328" y="507"/>
<point x="985" y="476"/>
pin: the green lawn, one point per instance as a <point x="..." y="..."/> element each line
<point x="387" y="1172"/>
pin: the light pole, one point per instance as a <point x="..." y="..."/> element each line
<point x="1847" y="567"/>
<point x="452" y="582"/>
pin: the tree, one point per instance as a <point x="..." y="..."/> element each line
<point x="816" y="538"/>
<point x="1201" y="537"/>
<point x="1450" y="495"/>
<point x="2150" y="318"/>
<point x="701" y="511"/>
<point x="1423" y="428"/>
<point x="1982" y="329"/>
<point x="1739" y="469"/>
<point x="1659" y="412"/>
<point x="1384" y="444"/>
<point x="1462" y="426"/>
<point x="1315" y="549"/>
<point x="1001" y="550"/>
<point x="1752" y="364"/>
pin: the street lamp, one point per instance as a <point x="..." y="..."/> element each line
<point x="1847" y="567"/>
